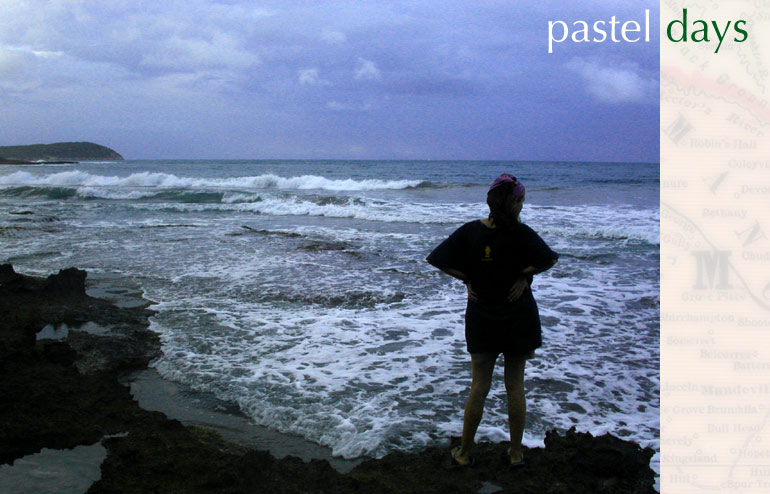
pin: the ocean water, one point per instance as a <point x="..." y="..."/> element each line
<point x="298" y="290"/>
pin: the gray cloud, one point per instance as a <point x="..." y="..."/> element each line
<point x="367" y="70"/>
<point x="295" y="73"/>
<point x="621" y="84"/>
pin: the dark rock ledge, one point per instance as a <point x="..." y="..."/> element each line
<point x="63" y="393"/>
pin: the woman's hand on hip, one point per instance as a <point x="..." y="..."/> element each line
<point x="518" y="288"/>
<point x="471" y="294"/>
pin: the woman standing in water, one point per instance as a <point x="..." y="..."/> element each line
<point x="496" y="258"/>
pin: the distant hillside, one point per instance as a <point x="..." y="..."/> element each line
<point x="60" y="151"/>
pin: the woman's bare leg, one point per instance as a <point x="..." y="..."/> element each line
<point x="481" y="381"/>
<point x="517" y="403"/>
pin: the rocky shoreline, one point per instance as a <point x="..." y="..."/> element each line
<point x="62" y="393"/>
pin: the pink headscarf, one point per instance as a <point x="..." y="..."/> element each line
<point x="518" y="187"/>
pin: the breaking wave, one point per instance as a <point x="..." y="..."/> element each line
<point x="165" y="180"/>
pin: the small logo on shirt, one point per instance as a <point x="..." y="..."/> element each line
<point x="487" y="253"/>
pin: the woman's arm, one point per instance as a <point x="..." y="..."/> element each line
<point x="456" y="273"/>
<point x="532" y="270"/>
<point x="522" y="282"/>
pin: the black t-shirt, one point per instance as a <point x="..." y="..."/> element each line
<point x="492" y="259"/>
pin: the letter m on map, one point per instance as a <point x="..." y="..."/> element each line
<point x="712" y="269"/>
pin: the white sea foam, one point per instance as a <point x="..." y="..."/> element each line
<point x="236" y="197"/>
<point x="165" y="180"/>
<point x="353" y="208"/>
<point x="613" y="223"/>
<point x="103" y="193"/>
<point x="371" y="209"/>
<point x="572" y="224"/>
<point x="348" y="369"/>
<point x="394" y="375"/>
<point x="337" y="330"/>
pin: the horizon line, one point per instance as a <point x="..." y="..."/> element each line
<point x="565" y="161"/>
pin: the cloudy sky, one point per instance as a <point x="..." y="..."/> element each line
<point x="333" y="79"/>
